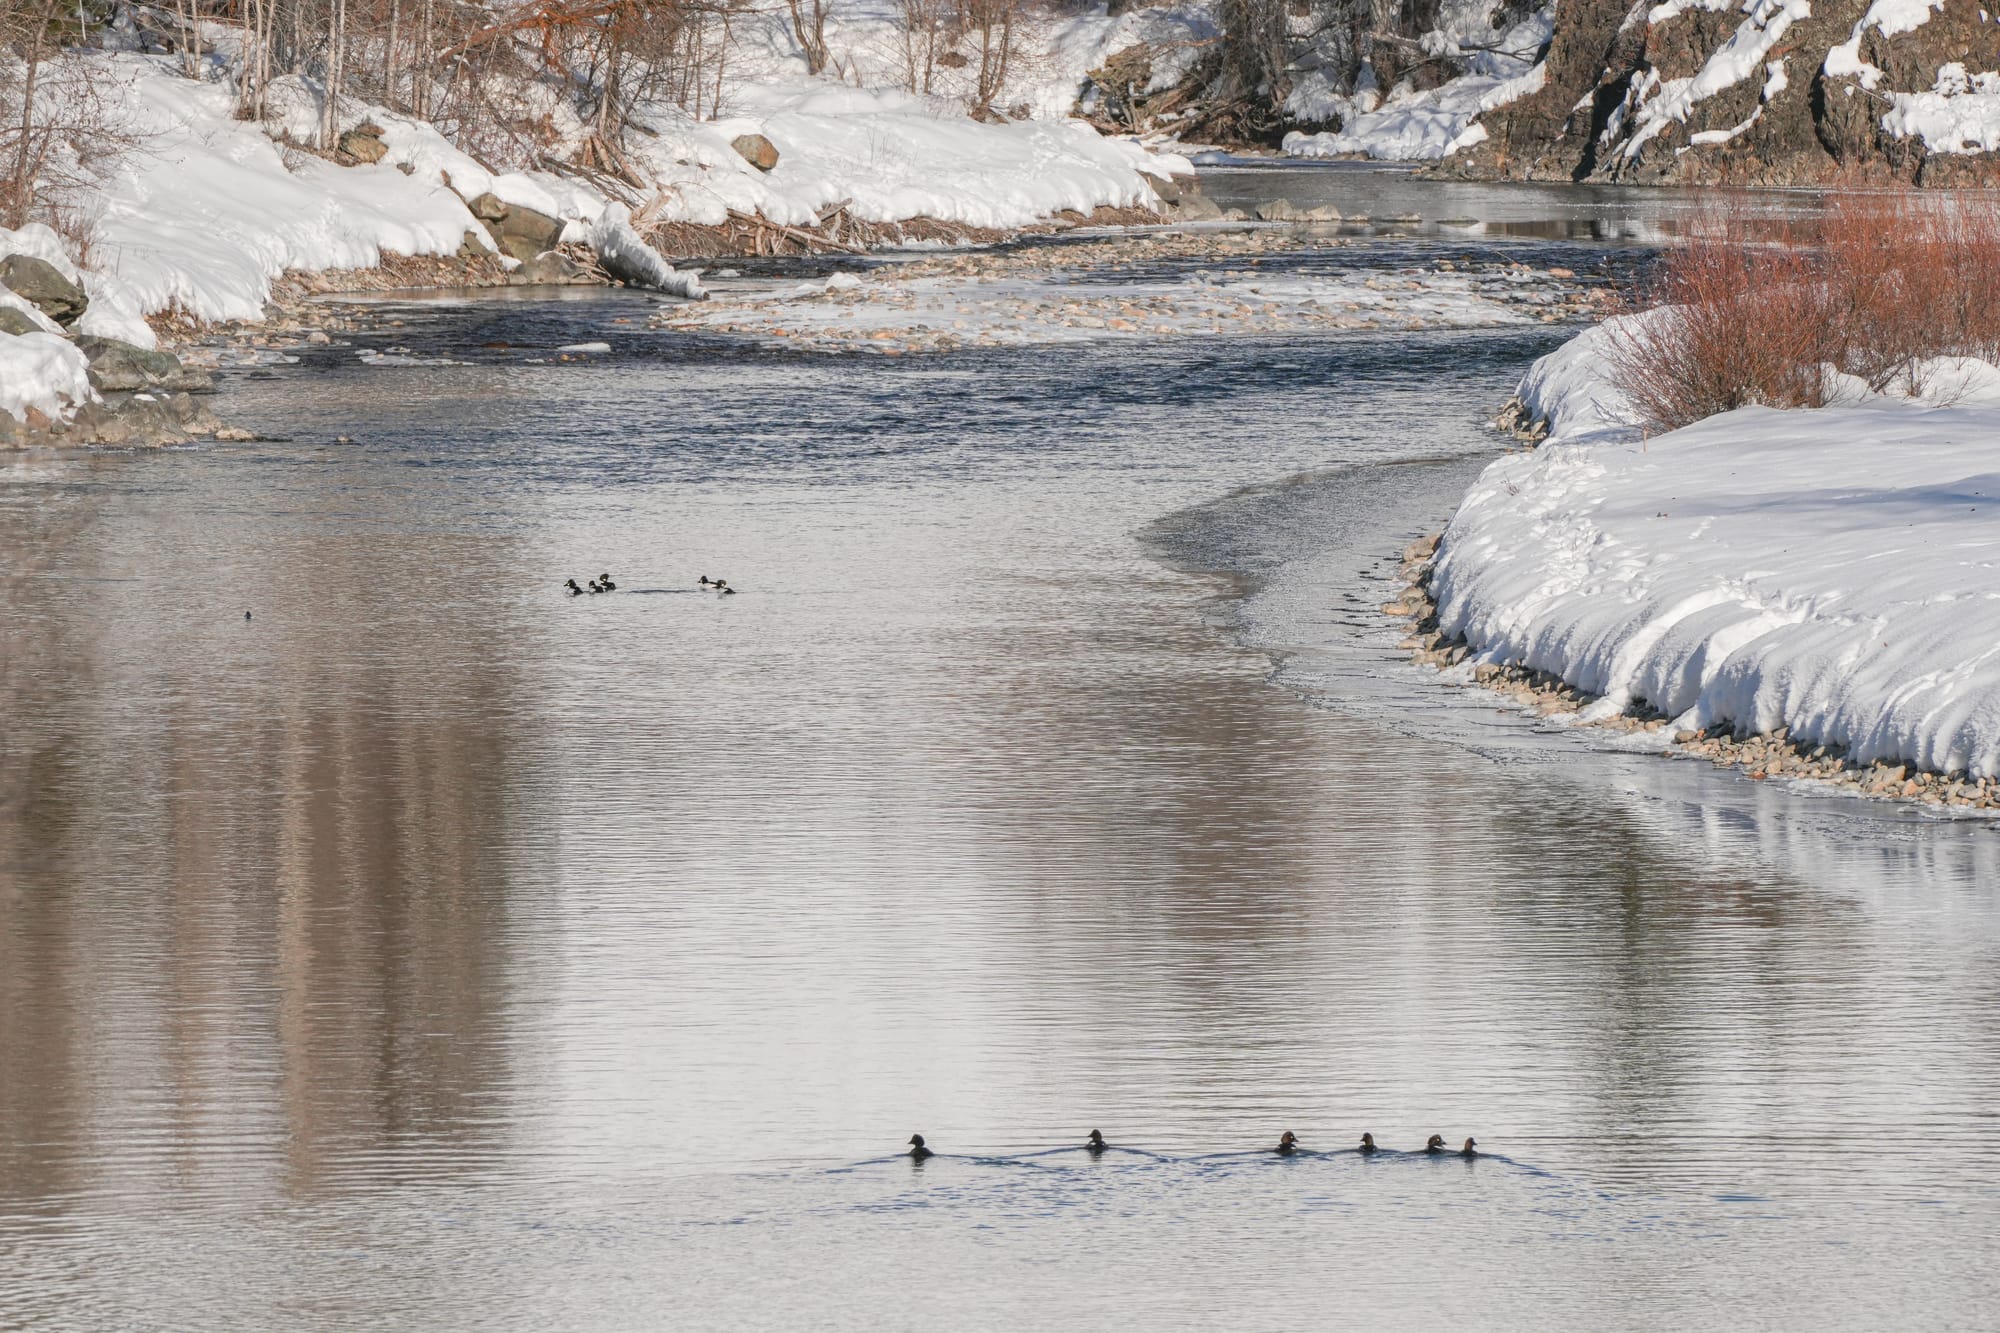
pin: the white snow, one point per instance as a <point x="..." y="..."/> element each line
<point x="1423" y="126"/>
<point x="207" y="209"/>
<point x="1889" y="17"/>
<point x="624" y="250"/>
<point x="1961" y="113"/>
<point x="42" y="371"/>
<point x="1410" y="125"/>
<point x="1831" y="571"/>
<point x="1739" y="58"/>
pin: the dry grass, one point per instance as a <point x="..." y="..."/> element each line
<point x="1758" y="310"/>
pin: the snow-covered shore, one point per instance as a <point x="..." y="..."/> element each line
<point x="1830" y="572"/>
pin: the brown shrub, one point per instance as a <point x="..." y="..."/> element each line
<point x="1764" y="310"/>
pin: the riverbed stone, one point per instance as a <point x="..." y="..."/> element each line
<point x="553" y="268"/>
<point x="121" y="367"/>
<point x="755" y="149"/>
<point x="43" y="286"/>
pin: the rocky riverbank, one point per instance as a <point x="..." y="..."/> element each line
<point x="67" y="387"/>
<point x="1760" y="756"/>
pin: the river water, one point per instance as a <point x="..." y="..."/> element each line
<point x="434" y="950"/>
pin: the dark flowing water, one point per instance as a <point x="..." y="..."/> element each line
<point x="433" y="950"/>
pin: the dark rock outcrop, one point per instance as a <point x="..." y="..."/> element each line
<point x="1797" y="124"/>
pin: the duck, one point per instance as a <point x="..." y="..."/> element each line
<point x="604" y="582"/>
<point x="574" y="591"/>
<point x="1434" y="1144"/>
<point x="1367" y="1144"/>
<point x="917" y="1149"/>
<point x="595" y="586"/>
<point x="1471" y="1148"/>
<point x="705" y="580"/>
<point x="1096" y="1143"/>
<point x="1288" y="1143"/>
<point x="722" y="586"/>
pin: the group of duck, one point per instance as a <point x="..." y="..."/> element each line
<point x="1288" y="1146"/>
<point x="603" y="583"/>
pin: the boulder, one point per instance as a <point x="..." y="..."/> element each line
<point x="14" y="320"/>
<point x="121" y="367"/>
<point x="755" y="149"/>
<point x="364" y="143"/>
<point x="1277" y="210"/>
<point x="1199" y="208"/>
<point x="487" y="207"/>
<point x="1171" y="189"/>
<point x="43" y="286"/>
<point x="530" y="227"/>
<point x="553" y="268"/>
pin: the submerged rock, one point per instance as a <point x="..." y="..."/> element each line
<point x="43" y="286"/>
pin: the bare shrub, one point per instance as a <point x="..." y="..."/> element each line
<point x="1747" y="309"/>
<point x="990" y="25"/>
<point x="922" y="34"/>
<point x="55" y="135"/>
<point x="808" y="19"/>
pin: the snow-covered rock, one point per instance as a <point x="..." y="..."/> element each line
<point x="43" y="372"/>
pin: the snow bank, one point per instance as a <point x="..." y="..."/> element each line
<point x="42" y="371"/>
<point x="208" y="210"/>
<point x="890" y="157"/>
<point x="1830" y="571"/>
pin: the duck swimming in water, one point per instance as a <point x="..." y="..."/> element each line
<point x="702" y="582"/>
<point x="574" y="591"/>
<point x="1367" y="1144"/>
<point x="722" y="586"/>
<point x="604" y="582"/>
<point x="1471" y="1148"/>
<point x="1288" y="1143"/>
<point x="1096" y="1143"/>
<point x="1434" y="1144"/>
<point x="917" y="1149"/>
<point x="595" y="586"/>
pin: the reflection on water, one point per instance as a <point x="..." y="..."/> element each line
<point x="1393" y="199"/>
<point x="435" y="950"/>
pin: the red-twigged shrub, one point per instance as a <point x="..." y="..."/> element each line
<point x="1751" y="309"/>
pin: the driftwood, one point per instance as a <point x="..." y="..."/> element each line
<point x="811" y="240"/>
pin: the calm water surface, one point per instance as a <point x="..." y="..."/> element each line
<point x="436" y="951"/>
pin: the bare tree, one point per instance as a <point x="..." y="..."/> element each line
<point x="809" y="30"/>
<point x="921" y="35"/>
<point x="990" y="23"/>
